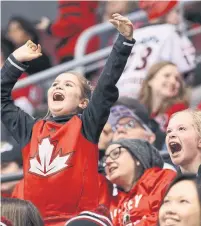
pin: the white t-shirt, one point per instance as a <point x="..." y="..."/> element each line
<point x="155" y="43"/>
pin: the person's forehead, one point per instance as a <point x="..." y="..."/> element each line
<point x="125" y="120"/>
<point x="14" y="23"/>
<point x="181" y="118"/>
<point x="67" y="76"/>
<point x="182" y="188"/>
<point x="112" y="147"/>
<point x="169" y="68"/>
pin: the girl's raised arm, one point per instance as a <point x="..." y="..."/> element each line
<point x="16" y="120"/>
<point x="106" y="93"/>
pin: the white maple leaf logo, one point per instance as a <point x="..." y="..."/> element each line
<point x="45" y="167"/>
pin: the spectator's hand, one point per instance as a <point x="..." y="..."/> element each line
<point x="123" y="25"/>
<point x="44" y="23"/>
<point x="27" y="52"/>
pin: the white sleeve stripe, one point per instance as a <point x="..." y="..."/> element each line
<point x="127" y="44"/>
<point x="17" y="66"/>
<point x="86" y="218"/>
<point x="97" y="215"/>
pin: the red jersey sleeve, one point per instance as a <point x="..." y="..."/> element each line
<point x="106" y="189"/>
<point x="157" y="196"/>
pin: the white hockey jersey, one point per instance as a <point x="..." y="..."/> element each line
<point x="155" y="43"/>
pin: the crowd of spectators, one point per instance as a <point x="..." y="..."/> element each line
<point x="133" y="139"/>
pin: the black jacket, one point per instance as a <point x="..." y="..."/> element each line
<point x="94" y="116"/>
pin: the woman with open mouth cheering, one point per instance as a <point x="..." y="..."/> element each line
<point x="60" y="152"/>
<point x="183" y="140"/>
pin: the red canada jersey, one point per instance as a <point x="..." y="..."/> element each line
<point x="60" y="154"/>
<point x="60" y="170"/>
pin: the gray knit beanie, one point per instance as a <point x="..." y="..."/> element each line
<point x="143" y="151"/>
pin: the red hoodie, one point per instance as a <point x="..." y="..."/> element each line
<point x="140" y="206"/>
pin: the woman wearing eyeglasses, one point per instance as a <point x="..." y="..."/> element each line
<point x="135" y="167"/>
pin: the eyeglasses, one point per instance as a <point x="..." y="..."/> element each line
<point x="132" y="124"/>
<point x="129" y="125"/>
<point x="114" y="154"/>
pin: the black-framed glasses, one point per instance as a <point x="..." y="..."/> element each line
<point x="114" y="154"/>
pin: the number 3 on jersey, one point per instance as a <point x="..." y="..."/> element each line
<point x="142" y="63"/>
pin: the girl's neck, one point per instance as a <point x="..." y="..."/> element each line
<point x="128" y="184"/>
<point x="192" y="167"/>
<point x="156" y="102"/>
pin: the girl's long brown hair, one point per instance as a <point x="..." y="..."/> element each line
<point x="20" y="212"/>
<point x="145" y="96"/>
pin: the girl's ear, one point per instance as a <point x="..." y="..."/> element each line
<point x="83" y="104"/>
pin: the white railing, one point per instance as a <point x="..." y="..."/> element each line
<point x="82" y="42"/>
<point x="18" y="176"/>
<point x="53" y="71"/>
<point x="81" y="59"/>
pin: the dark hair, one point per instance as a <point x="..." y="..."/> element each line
<point x="187" y="176"/>
<point x="27" y="26"/>
<point x="190" y="177"/>
<point x="86" y="87"/>
<point x="7" y="47"/>
<point x="20" y="212"/>
<point x="183" y="177"/>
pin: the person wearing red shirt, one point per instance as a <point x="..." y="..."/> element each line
<point x="136" y="168"/>
<point x="60" y="151"/>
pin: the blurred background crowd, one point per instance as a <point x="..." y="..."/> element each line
<point x="162" y="75"/>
